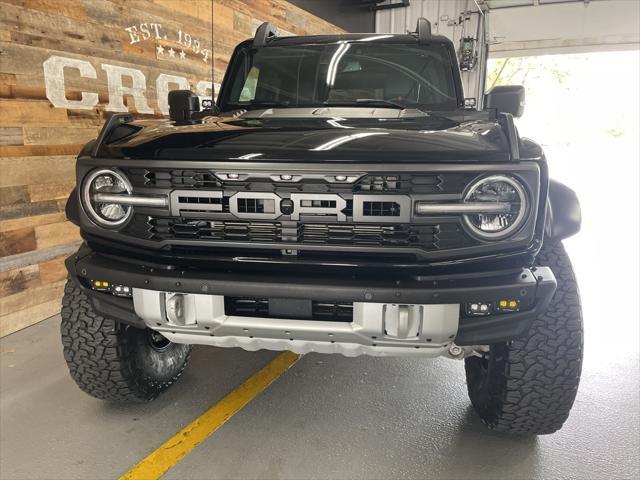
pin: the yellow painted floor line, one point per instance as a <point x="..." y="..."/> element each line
<point x="178" y="446"/>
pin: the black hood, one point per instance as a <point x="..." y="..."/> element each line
<point x="371" y="135"/>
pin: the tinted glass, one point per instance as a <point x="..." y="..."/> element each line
<point x="417" y="76"/>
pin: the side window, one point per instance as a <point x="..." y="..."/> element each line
<point x="248" y="92"/>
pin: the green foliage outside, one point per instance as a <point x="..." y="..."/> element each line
<point x="547" y="76"/>
<point x="520" y="70"/>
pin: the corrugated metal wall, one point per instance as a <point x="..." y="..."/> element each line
<point x="399" y="20"/>
<point x="522" y="27"/>
<point x="444" y="16"/>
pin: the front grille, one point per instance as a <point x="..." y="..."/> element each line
<point x="429" y="237"/>
<point x="173" y="178"/>
<point x="259" y="307"/>
<point x="336" y="234"/>
<point x="422" y="183"/>
<point x="189" y="229"/>
<point x="375" y="211"/>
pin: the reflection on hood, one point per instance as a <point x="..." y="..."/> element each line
<point x="324" y="134"/>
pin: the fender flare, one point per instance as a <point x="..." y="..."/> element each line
<point x="564" y="216"/>
<point x="72" y="208"/>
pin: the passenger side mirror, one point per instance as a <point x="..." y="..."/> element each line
<point x="184" y="107"/>
<point x="506" y="99"/>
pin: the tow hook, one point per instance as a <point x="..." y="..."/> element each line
<point x="457" y="352"/>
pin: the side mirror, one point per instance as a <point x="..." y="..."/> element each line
<point x="184" y="107"/>
<point x="506" y="99"/>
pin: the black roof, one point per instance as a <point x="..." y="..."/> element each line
<point x="350" y="37"/>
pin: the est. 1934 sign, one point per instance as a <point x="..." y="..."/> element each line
<point x="185" y="43"/>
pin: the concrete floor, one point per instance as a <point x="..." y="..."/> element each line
<point x="327" y="417"/>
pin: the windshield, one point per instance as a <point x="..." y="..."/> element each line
<point x="345" y="73"/>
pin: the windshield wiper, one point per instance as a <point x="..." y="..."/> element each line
<point x="373" y="101"/>
<point x="365" y="101"/>
<point x="387" y="103"/>
<point x="253" y="104"/>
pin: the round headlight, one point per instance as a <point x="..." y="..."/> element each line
<point x="497" y="189"/>
<point x="106" y="181"/>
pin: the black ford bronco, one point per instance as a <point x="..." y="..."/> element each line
<point x="341" y="196"/>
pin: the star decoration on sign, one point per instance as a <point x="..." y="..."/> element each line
<point x="183" y="55"/>
<point x="172" y="52"/>
<point x="160" y="50"/>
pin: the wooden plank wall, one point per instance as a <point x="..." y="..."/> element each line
<point x="39" y="141"/>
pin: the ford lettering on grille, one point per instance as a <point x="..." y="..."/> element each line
<point x="295" y="206"/>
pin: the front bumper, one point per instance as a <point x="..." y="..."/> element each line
<point x="416" y="315"/>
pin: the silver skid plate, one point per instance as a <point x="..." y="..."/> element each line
<point x="377" y="329"/>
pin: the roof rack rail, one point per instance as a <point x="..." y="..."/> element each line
<point x="423" y="30"/>
<point x="264" y="33"/>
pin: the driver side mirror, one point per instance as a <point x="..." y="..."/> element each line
<point x="184" y="107"/>
<point x="506" y="99"/>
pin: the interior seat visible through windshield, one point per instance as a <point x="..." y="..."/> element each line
<point x="343" y="73"/>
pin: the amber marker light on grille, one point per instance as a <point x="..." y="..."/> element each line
<point x="508" y="305"/>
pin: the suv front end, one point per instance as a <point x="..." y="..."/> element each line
<point x="379" y="263"/>
<point x="338" y="198"/>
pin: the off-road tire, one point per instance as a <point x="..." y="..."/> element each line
<point x="113" y="361"/>
<point x="528" y="386"/>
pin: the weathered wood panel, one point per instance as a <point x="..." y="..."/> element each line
<point x="15" y="281"/>
<point x="18" y="113"/>
<point x="30" y="298"/>
<point x="17" y="241"/>
<point x="11" y="136"/>
<point x="52" y="271"/>
<point x="26" y="317"/>
<point x="31" y="221"/>
<point x="31" y="170"/>
<point x="65" y="66"/>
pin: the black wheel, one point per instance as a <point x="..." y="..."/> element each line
<point x="113" y="361"/>
<point x="528" y="385"/>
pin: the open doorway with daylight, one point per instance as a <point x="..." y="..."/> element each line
<point x="584" y="110"/>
